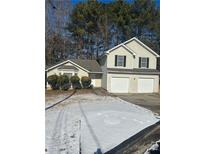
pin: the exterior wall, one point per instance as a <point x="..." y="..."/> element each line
<point x="108" y="61"/>
<point x="142" y="52"/>
<point x="103" y="64"/>
<point x="133" y="81"/>
<point x="97" y="82"/>
<point x="96" y="79"/>
<point x="58" y="72"/>
<point x="53" y="71"/>
<point x="120" y="51"/>
<point x="80" y="72"/>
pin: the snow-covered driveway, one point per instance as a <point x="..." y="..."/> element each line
<point x="90" y="122"/>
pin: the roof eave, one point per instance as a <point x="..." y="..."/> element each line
<point x="66" y="62"/>
<point x="142" y="44"/>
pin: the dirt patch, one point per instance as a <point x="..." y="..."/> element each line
<point x="83" y="91"/>
<point x="51" y="93"/>
<point x="101" y="92"/>
<point x="53" y="96"/>
<point x="96" y="91"/>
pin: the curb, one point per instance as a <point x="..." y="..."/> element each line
<point x="137" y="136"/>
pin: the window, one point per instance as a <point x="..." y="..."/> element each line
<point x="120" y="60"/>
<point x="143" y="62"/>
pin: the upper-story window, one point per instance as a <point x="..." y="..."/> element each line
<point x="120" y="60"/>
<point x="143" y="62"/>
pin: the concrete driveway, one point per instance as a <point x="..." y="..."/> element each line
<point x="149" y="101"/>
<point x="86" y="122"/>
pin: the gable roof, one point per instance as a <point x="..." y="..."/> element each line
<point x="142" y="44"/>
<point x="90" y="66"/>
<point x="121" y="45"/>
<point x="129" y="49"/>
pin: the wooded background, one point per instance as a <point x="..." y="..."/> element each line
<point x="87" y="29"/>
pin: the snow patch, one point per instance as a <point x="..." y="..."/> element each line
<point x="93" y="122"/>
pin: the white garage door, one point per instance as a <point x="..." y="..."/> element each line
<point x="145" y="85"/>
<point x="119" y="85"/>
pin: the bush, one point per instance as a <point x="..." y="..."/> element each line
<point x="75" y="80"/>
<point x="53" y="81"/>
<point x="64" y="82"/>
<point x="86" y="82"/>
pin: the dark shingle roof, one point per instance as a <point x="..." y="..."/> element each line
<point x="90" y="65"/>
<point x="134" y="71"/>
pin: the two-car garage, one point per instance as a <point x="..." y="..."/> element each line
<point x="133" y="84"/>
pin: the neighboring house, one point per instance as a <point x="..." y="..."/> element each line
<point x="78" y="67"/>
<point x="129" y="67"/>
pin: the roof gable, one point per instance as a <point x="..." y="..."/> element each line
<point x="90" y="66"/>
<point x="121" y="45"/>
<point x="64" y="62"/>
<point x="141" y="44"/>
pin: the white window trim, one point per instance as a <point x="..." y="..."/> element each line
<point x="144" y="62"/>
<point x="123" y="61"/>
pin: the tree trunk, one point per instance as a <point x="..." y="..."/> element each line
<point x="106" y="33"/>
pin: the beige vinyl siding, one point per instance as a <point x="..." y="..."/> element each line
<point x="97" y="82"/>
<point x="57" y="71"/>
<point x="80" y="73"/>
<point x="53" y="71"/>
<point x="142" y="52"/>
<point x="123" y="52"/>
<point x="103" y="64"/>
<point x="68" y="64"/>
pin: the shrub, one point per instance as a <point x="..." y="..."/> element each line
<point x="64" y="82"/>
<point x="86" y="82"/>
<point x="53" y="81"/>
<point x="75" y="80"/>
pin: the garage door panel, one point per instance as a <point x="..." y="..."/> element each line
<point x="146" y="85"/>
<point x="119" y="85"/>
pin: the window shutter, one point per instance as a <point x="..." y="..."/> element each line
<point x="147" y="62"/>
<point x="139" y="62"/>
<point x="124" y="61"/>
<point x="115" y="60"/>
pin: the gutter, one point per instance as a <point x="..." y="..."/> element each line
<point x="95" y="72"/>
<point x="140" y="73"/>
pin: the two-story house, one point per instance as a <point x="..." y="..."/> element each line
<point x="130" y="67"/>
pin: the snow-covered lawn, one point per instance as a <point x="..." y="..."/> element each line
<point x="90" y="122"/>
<point x="53" y="98"/>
